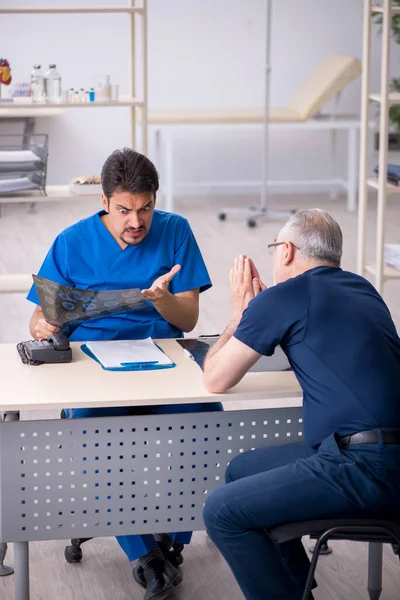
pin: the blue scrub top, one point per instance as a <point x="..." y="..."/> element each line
<point x="87" y="256"/>
<point x="341" y="341"/>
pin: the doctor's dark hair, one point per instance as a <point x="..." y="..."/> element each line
<point x="128" y="171"/>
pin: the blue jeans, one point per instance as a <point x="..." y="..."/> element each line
<point x="136" y="546"/>
<point x="284" y="484"/>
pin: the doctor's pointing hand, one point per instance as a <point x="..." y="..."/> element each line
<point x="159" y="289"/>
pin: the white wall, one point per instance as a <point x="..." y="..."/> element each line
<point x="202" y="53"/>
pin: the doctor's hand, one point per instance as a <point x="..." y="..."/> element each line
<point x="245" y="284"/>
<point x="43" y="329"/>
<point x="159" y="290"/>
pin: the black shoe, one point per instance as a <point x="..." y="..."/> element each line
<point x="170" y="549"/>
<point x="177" y="549"/>
<point x="158" y="577"/>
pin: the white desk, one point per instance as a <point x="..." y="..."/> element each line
<point x="123" y="475"/>
<point x="83" y="383"/>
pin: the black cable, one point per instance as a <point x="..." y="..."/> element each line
<point x="24" y="357"/>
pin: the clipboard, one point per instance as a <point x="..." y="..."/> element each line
<point x="134" y="366"/>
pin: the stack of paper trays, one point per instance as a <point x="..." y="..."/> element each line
<point x="392" y="255"/>
<point x="129" y="355"/>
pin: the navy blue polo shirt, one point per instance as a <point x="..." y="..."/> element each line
<point x="342" y="344"/>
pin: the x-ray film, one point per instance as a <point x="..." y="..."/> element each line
<point x="62" y="304"/>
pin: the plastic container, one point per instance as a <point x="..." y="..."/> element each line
<point x="115" y="93"/>
<point x="103" y="92"/>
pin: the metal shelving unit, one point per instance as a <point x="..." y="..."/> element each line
<point x="385" y="99"/>
<point x="23" y="163"/>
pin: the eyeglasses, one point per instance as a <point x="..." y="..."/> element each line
<point x="271" y="247"/>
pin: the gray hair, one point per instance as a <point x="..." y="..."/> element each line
<point x="316" y="235"/>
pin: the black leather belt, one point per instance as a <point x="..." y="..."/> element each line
<point x="370" y="437"/>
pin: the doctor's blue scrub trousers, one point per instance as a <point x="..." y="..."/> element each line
<point x="289" y="483"/>
<point x="136" y="546"/>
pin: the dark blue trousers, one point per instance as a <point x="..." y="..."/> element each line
<point x="136" y="546"/>
<point x="284" y="484"/>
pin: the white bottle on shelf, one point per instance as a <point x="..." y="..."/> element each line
<point x="37" y="84"/>
<point x="52" y="82"/>
<point x="103" y="93"/>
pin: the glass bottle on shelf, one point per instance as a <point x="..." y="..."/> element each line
<point x="52" y="81"/>
<point x="37" y="84"/>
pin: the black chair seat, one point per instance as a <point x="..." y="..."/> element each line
<point x="375" y="531"/>
<point x="360" y="530"/>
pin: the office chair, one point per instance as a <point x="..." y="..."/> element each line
<point x="375" y="531"/>
<point x="73" y="553"/>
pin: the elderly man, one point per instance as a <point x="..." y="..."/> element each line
<point x="342" y="344"/>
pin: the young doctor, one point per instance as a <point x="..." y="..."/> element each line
<point x="130" y="244"/>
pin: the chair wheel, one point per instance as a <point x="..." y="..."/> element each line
<point x="222" y="216"/>
<point x="73" y="554"/>
<point x="251" y="223"/>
